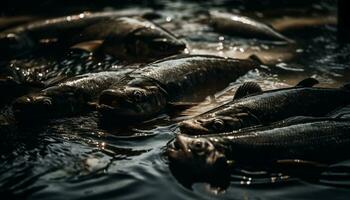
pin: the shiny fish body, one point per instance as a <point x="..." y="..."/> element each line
<point x="67" y="98"/>
<point x="189" y="75"/>
<point x="134" y="38"/>
<point x="268" y="107"/>
<point x="243" y="26"/>
<point x="172" y="80"/>
<point x="320" y="140"/>
<point x="123" y="35"/>
<point x="25" y="38"/>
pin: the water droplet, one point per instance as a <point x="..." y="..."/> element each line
<point x="168" y="19"/>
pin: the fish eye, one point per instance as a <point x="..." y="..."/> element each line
<point x="218" y="124"/>
<point x="138" y="95"/>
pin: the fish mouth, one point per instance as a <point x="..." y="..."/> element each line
<point x="178" y="46"/>
<point x="33" y="106"/>
<point x="178" y="149"/>
<point x="193" y="127"/>
<point x="112" y="102"/>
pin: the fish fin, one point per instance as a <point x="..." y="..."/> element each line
<point x="256" y="59"/>
<point x="181" y="105"/>
<point x="308" y="82"/>
<point x="90" y="46"/>
<point x="246" y="89"/>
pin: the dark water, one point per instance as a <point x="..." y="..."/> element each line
<point x="74" y="158"/>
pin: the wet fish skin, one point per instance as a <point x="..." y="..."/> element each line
<point x="124" y="35"/>
<point x="232" y="24"/>
<point x="171" y="81"/>
<point x="137" y="39"/>
<point x="267" y="107"/>
<point x="25" y="38"/>
<point x="314" y="140"/>
<point x="67" y="98"/>
<point x="317" y="141"/>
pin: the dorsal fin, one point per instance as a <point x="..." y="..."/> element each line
<point x="256" y="58"/>
<point x="308" y="82"/>
<point x="247" y="89"/>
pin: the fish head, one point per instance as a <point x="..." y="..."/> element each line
<point x="51" y="102"/>
<point x="197" y="154"/>
<point x="153" y="42"/>
<point x="210" y="125"/>
<point x="132" y="102"/>
<point x="32" y="106"/>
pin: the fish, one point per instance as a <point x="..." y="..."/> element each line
<point x="22" y="76"/>
<point x="70" y="30"/>
<point x="314" y="140"/>
<point x="172" y="83"/>
<point x="136" y="39"/>
<point x="26" y="38"/>
<point x="263" y="108"/>
<point x="238" y="25"/>
<point x="67" y="98"/>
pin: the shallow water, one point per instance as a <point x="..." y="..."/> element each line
<point x="76" y="158"/>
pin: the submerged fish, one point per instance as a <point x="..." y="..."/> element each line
<point x="322" y="141"/>
<point x="243" y="26"/>
<point x="69" y="97"/>
<point x="173" y="81"/>
<point x="267" y="107"/>
<point x="135" y="34"/>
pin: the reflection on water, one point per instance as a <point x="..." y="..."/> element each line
<point x="75" y="157"/>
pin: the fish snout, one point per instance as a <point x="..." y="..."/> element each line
<point x="111" y="98"/>
<point x="115" y="103"/>
<point x="193" y="127"/>
<point x="178" y="149"/>
<point x="33" y="106"/>
<point x="178" y="46"/>
<point x="167" y="46"/>
<point x="172" y="47"/>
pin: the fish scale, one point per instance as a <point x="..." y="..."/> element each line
<point x="177" y="80"/>
<point x="186" y="75"/>
<point x="318" y="140"/>
<point x="275" y="105"/>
